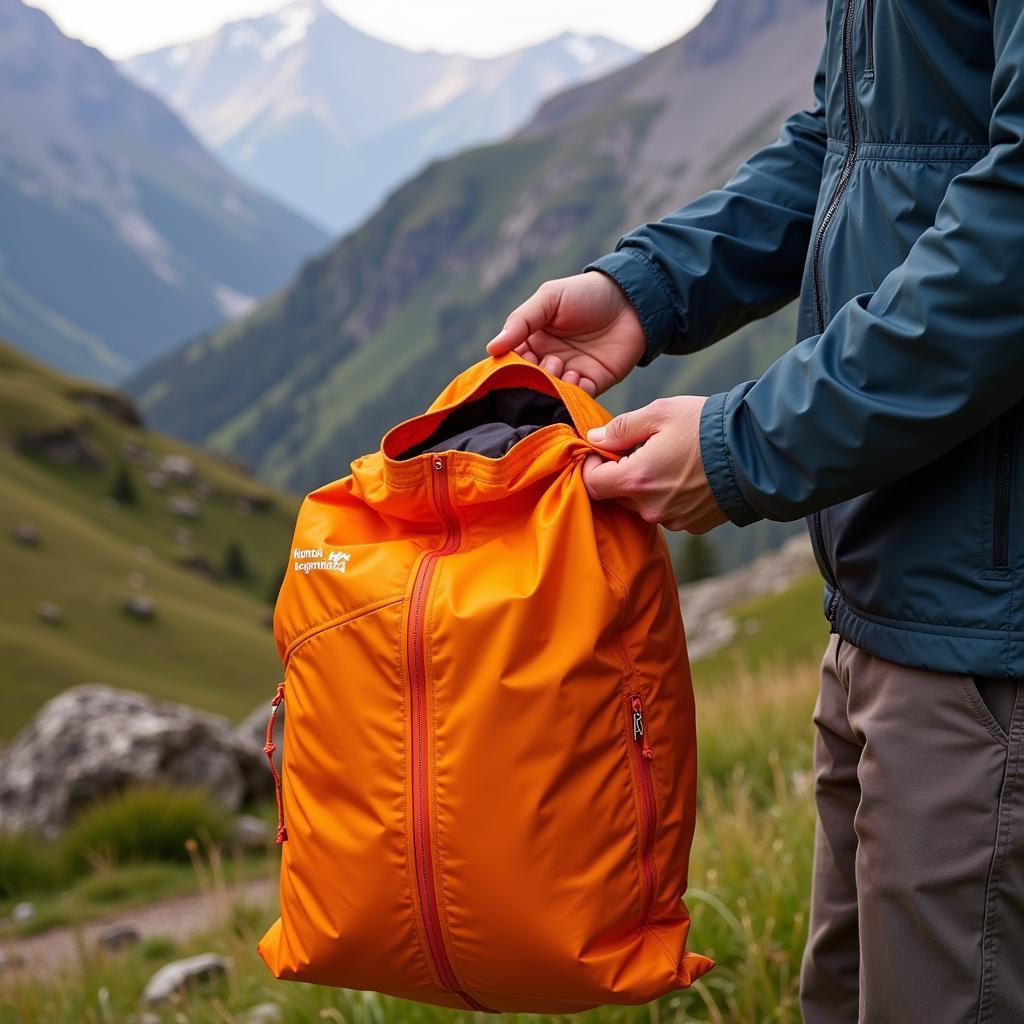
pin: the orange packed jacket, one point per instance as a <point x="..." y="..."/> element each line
<point x="489" y="764"/>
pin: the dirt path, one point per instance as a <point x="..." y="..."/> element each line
<point x="180" y="917"/>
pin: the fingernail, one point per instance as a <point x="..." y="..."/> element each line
<point x="595" y="435"/>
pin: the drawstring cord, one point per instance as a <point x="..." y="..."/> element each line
<point x="268" y="749"/>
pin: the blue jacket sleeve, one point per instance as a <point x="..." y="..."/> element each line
<point x="733" y="255"/>
<point x="903" y="374"/>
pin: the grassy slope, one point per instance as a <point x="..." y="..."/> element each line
<point x="208" y="645"/>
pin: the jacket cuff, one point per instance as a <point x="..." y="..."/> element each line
<point x="648" y="293"/>
<point x="718" y="464"/>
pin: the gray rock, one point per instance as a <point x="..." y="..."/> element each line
<point x="50" y="613"/>
<point x="10" y="961"/>
<point x="264" y="1013"/>
<point x="92" y="741"/>
<point x="708" y="603"/>
<point x="251" y="735"/>
<point x="139" y="606"/>
<point x="179" y="468"/>
<point x="117" y="936"/>
<point x="183" y="505"/>
<point x="179" y="976"/>
<point x="157" y="479"/>
<point x="23" y="911"/>
<point x="250" y="833"/>
<point x="26" y="535"/>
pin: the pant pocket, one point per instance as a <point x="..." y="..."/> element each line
<point x="993" y="702"/>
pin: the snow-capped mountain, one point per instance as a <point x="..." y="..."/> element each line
<point x="329" y="118"/>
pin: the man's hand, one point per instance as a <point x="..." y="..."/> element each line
<point x="662" y="475"/>
<point x="582" y="329"/>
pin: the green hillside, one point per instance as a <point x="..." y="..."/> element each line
<point x="66" y="542"/>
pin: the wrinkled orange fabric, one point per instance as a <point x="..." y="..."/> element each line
<point x="489" y="764"/>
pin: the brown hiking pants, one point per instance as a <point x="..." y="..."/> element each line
<point x="917" y="907"/>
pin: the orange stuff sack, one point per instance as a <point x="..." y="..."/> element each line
<point x="489" y="756"/>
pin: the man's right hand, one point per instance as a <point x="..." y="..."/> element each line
<point x="581" y="328"/>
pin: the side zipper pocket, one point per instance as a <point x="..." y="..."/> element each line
<point x="641" y="758"/>
<point x="1006" y="432"/>
<point x="869" y="39"/>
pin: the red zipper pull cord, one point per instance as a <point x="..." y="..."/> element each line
<point x="268" y="749"/>
<point x="639" y="732"/>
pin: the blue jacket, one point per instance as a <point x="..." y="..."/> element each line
<point x="894" y="210"/>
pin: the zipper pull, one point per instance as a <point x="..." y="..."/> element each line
<point x="639" y="733"/>
<point x="268" y="748"/>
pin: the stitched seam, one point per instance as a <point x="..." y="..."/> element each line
<point x="731" y="467"/>
<point x="989" y="926"/>
<point x="937" y="628"/>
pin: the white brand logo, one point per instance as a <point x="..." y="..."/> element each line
<point x="308" y="560"/>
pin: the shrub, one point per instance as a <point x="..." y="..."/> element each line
<point x="27" y="865"/>
<point x="150" y="823"/>
<point x="236" y="566"/>
<point x="122" y="490"/>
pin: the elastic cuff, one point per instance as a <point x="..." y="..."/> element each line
<point x="718" y="466"/>
<point x="642" y="283"/>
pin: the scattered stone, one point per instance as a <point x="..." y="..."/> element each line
<point x="10" y="961"/>
<point x="26" y="535"/>
<point x="250" y="833"/>
<point x="92" y="741"/>
<point x="157" y="479"/>
<point x="183" y="505"/>
<point x="139" y="606"/>
<point x="135" y="452"/>
<point x="136" y="580"/>
<point x="179" y="468"/>
<point x="111" y="403"/>
<point x="144" y="554"/>
<point x="50" y="613"/>
<point x="23" y="911"/>
<point x="200" y="564"/>
<point x="116" y="937"/>
<point x="707" y="604"/>
<point x="67" y="445"/>
<point x="181" y="975"/>
<point x="264" y="1013"/>
<point x="183" y="536"/>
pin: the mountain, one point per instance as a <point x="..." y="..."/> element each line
<point x="126" y="592"/>
<point x="369" y="332"/>
<point x="329" y="119"/>
<point x="121" y="234"/>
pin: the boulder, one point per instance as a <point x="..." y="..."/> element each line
<point x="22" y="912"/>
<point x="139" y="606"/>
<point x="183" y="505"/>
<point x="116" y="937"/>
<point x="92" y="741"/>
<point x="50" y="613"/>
<point x="179" y="976"/>
<point x="26" y="535"/>
<point x="251" y="735"/>
<point x="251" y="833"/>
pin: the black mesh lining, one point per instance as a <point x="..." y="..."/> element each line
<point x="491" y="425"/>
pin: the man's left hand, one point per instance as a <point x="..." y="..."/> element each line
<point x="661" y="476"/>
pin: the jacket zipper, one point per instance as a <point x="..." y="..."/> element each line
<point x="1005" y="445"/>
<point x="869" y="29"/>
<point x="415" y="652"/>
<point x="819" y="241"/>
<point x="641" y="757"/>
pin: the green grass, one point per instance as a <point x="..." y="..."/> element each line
<point x="208" y="645"/>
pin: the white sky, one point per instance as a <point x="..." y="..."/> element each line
<point x="481" y="27"/>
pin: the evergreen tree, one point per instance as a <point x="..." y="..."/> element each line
<point x="236" y="567"/>
<point x="695" y="558"/>
<point x="122" y="490"/>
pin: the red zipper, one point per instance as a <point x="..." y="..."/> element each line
<point x="415" y="652"/>
<point x="641" y="758"/>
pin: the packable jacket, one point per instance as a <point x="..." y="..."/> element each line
<point x="894" y="209"/>
<point x="489" y="764"/>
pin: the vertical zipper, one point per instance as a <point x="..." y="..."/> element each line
<point x="641" y="757"/>
<point x="869" y="39"/>
<point x="415" y="652"/>
<point x="847" y="172"/>
<point x="819" y="242"/>
<point x="1005" y="445"/>
<point x="268" y="748"/>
